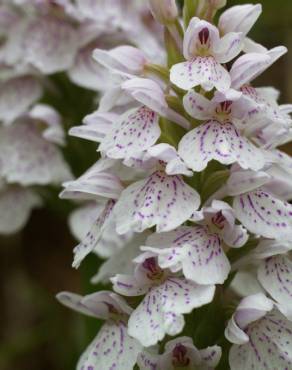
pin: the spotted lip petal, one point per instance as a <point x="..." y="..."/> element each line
<point x="221" y="142"/>
<point x="161" y="200"/>
<point x="204" y="71"/>
<point x="194" y="250"/>
<point x="161" y="310"/>
<point x="111" y="348"/>
<point x="134" y="132"/>
<point x="264" y="215"/>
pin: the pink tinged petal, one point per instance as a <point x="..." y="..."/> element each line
<point x="50" y="44"/>
<point x="16" y="205"/>
<point x="210" y="356"/>
<point x="197" y="106"/>
<point x="250" y="309"/>
<point x="51" y="118"/>
<point x="102" y="304"/>
<point x="239" y="18"/>
<point x="125" y="59"/>
<point x="87" y="73"/>
<point x="221" y="142"/>
<point x="148" y="361"/>
<point x="28" y="159"/>
<point x="161" y="200"/>
<point x="101" y="237"/>
<point x="234" y="333"/>
<point x="121" y="261"/>
<point x="228" y="47"/>
<point x="17" y="95"/>
<point x="245" y="282"/>
<point x="111" y="349"/>
<point x="193" y="250"/>
<point x="269" y="345"/>
<point x="98" y="181"/>
<point x="168" y="154"/>
<point x="264" y="215"/>
<point x="199" y="33"/>
<point x="236" y="237"/>
<point x="83" y="217"/>
<point x="95" y="126"/>
<point x="134" y="132"/>
<point x="161" y="310"/>
<point x="250" y="46"/>
<point x="73" y="301"/>
<point x="128" y="286"/>
<point x="204" y="71"/>
<point x="149" y="93"/>
<point x="241" y="182"/>
<point x="249" y="66"/>
<point x="274" y="274"/>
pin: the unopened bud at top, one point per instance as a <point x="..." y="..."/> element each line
<point x="164" y="11"/>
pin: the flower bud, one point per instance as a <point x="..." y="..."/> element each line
<point x="164" y="11"/>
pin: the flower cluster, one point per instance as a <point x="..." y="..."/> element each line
<point x="39" y="39"/>
<point x="188" y="201"/>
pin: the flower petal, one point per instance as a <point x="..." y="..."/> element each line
<point x="47" y="115"/>
<point x="264" y="215"/>
<point x="126" y="59"/>
<point x="221" y="142"/>
<point x="149" y="93"/>
<point x="197" y="105"/>
<point x="239" y="18"/>
<point x="121" y="261"/>
<point x="228" y="47"/>
<point x="161" y="310"/>
<point x="134" y="132"/>
<point x="87" y="73"/>
<point x="249" y="66"/>
<point x="95" y="126"/>
<point x="29" y="159"/>
<point x="161" y="200"/>
<point x="192" y="39"/>
<point x="83" y="217"/>
<point x="241" y="182"/>
<point x="269" y="345"/>
<point x="194" y="250"/>
<point x="50" y="44"/>
<point x="17" y="95"/>
<point x="16" y="205"/>
<point x="204" y="71"/>
<point x="111" y="348"/>
<point x="98" y="181"/>
<point x="101" y="238"/>
<point x="274" y="274"/>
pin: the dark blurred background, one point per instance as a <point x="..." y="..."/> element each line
<point x="36" y="332"/>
